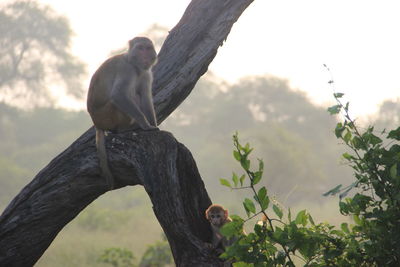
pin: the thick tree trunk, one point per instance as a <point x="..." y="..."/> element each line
<point x="72" y="181"/>
<point x="153" y="159"/>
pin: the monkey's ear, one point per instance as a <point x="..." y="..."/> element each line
<point x="226" y="214"/>
<point x="207" y="214"/>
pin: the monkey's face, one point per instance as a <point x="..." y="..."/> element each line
<point x="217" y="218"/>
<point x="143" y="55"/>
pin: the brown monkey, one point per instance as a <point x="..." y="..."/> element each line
<point x="218" y="216"/>
<point x="120" y="97"/>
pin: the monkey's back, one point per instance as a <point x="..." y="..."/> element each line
<point x="102" y="82"/>
<point x="103" y="113"/>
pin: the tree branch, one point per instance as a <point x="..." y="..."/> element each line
<point x="155" y="160"/>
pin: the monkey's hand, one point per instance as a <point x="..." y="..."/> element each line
<point x="142" y="125"/>
<point x="214" y="249"/>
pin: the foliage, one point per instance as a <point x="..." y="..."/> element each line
<point x="118" y="257"/>
<point x="157" y="255"/>
<point x="34" y="52"/>
<point x="388" y="115"/>
<point x="375" y="207"/>
<point x="281" y="239"/>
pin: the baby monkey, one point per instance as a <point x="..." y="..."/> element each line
<point x="218" y="216"/>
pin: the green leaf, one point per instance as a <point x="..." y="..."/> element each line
<point x="225" y="182"/>
<point x="245" y="164"/>
<point x="228" y="229"/>
<point x="235" y="179"/>
<point x="346" y="108"/>
<point x="347" y="137"/>
<point x="260" y="165"/>
<point x="339" y="130"/>
<point x="257" y="178"/>
<point x="395" y="134"/>
<point x="265" y="203"/>
<point x="301" y="218"/>
<point x="374" y="140"/>
<point x="241" y="179"/>
<point x="247" y="149"/>
<point x="263" y="198"/>
<point x="334" y="109"/>
<point x="311" y="219"/>
<point x="290" y="215"/>
<point x="338" y="95"/>
<point x="277" y="211"/>
<point x="237" y="155"/>
<point x="344" y="208"/>
<point x="357" y="142"/>
<point x="347" y="156"/>
<point x="262" y="193"/>
<point x="348" y="189"/>
<point x="393" y="171"/>
<point x="249" y="206"/>
<point x="357" y="219"/>
<point x="345" y="228"/>
<point x="333" y="191"/>
<point x="233" y="228"/>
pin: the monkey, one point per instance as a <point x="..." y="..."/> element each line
<point x="120" y="97"/>
<point x="218" y="216"/>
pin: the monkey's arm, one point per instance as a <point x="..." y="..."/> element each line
<point x="119" y="97"/>
<point x="148" y="109"/>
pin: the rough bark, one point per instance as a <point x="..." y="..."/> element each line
<point x="155" y="160"/>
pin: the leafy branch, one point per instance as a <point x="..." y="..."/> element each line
<point x="275" y="244"/>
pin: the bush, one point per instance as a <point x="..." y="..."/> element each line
<point x="157" y="255"/>
<point x="280" y="237"/>
<point x="118" y="257"/>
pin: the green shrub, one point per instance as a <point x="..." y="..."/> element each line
<point x="118" y="257"/>
<point x="283" y="239"/>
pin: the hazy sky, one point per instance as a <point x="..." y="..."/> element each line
<point x="358" y="39"/>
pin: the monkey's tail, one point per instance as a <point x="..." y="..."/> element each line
<point x="102" y="154"/>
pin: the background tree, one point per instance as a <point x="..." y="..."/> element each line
<point x="388" y="116"/>
<point x="35" y="55"/>
<point x="292" y="134"/>
<point x="157" y="255"/>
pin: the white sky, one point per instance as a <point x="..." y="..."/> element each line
<point x="358" y="39"/>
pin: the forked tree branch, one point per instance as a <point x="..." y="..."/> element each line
<point x="155" y="160"/>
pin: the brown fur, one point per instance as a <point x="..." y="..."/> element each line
<point x="120" y="97"/>
<point x="218" y="216"/>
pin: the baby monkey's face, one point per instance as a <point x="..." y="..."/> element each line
<point x="217" y="218"/>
